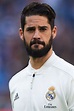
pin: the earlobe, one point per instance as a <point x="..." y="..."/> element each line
<point x="21" y="33"/>
<point x="54" y="32"/>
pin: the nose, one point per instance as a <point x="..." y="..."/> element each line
<point x="36" y="34"/>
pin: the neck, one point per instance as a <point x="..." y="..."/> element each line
<point x="36" y="63"/>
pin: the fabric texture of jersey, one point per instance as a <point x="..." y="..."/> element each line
<point x="50" y="88"/>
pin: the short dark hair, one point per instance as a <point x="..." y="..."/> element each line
<point x="36" y="8"/>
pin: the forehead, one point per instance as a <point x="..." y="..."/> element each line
<point x="36" y="20"/>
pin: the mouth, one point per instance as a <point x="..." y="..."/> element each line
<point x="37" y="46"/>
<point x="36" y="43"/>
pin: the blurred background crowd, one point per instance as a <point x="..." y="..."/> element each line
<point x="13" y="56"/>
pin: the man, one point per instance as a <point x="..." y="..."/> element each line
<point x="46" y="84"/>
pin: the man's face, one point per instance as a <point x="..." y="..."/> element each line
<point x="37" y="36"/>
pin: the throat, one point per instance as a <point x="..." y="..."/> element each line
<point x="37" y="63"/>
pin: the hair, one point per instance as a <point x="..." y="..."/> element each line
<point x="36" y="8"/>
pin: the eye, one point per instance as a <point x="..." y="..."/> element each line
<point x="30" y="29"/>
<point x="42" y="29"/>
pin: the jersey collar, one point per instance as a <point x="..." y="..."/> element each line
<point x="47" y="64"/>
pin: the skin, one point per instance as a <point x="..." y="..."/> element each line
<point x="37" y="27"/>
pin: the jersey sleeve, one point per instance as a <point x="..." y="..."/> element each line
<point x="70" y="101"/>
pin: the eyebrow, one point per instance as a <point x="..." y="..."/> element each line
<point x="40" y="27"/>
<point x="33" y="28"/>
<point x="30" y="28"/>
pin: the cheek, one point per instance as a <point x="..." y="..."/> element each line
<point x="47" y="38"/>
<point x="27" y="38"/>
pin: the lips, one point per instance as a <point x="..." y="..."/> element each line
<point x="36" y="42"/>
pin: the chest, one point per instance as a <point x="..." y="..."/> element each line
<point x="41" y="91"/>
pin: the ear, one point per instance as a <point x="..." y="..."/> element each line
<point x="21" y="33"/>
<point x="54" y="32"/>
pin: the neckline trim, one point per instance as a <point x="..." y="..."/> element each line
<point x="45" y="65"/>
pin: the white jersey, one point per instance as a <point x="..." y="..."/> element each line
<point x="50" y="88"/>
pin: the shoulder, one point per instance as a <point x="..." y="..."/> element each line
<point x="17" y="78"/>
<point x="64" y="66"/>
